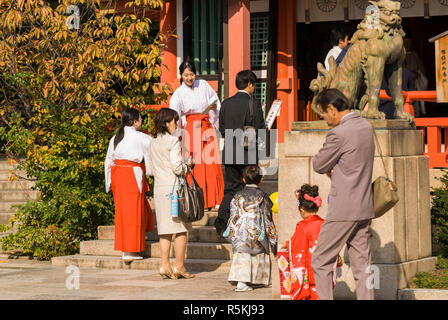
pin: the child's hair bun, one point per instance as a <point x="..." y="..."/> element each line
<point x="305" y="202"/>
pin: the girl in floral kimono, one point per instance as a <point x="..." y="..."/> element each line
<point x="252" y="233"/>
<point x="302" y="244"/>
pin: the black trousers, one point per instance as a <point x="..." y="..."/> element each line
<point x="233" y="182"/>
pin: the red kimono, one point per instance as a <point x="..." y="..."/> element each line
<point x="301" y="247"/>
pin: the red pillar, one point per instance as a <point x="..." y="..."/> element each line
<point x="286" y="66"/>
<point x="169" y="54"/>
<point x="239" y="39"/>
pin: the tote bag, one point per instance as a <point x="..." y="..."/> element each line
<point x="385" y="194"/>
<point x="190" y="200"/>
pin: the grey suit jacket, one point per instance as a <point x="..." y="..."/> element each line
<point x="348" y="151"/>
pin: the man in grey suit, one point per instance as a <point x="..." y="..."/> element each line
<point x="347" y="158"/>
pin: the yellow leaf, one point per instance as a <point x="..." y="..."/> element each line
<point x="75" y="119"/>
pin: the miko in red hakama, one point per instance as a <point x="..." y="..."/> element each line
<point x="202" y="145"/>
<point x="133" y="214"/>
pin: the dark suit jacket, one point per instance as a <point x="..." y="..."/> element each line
<point x="408" y="84"/>
<point x="348" y="151"/>
<point x="234" y="114"/>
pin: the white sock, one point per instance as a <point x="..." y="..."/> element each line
<point x="241" y="285"/>
<point x="127" y="255"/>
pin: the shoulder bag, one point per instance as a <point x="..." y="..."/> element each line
<point x="385" y="194"/>
<point x="190" y="200"/>
<point x="249" y="136"/>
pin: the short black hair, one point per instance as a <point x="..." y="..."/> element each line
<point x="334" y="97"/>
<point x="252" y="174"/>
<point x="243" y="78"/>
<point x="337" y="34"/>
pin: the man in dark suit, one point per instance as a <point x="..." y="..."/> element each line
<point x="407" y="84"/>
<point x="347" y="158"/>
<point x="233" y="116"/>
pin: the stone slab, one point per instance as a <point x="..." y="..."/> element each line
<point x="422" y="294"/>
<point x="5" y="216"/>
<point x="24" y="195"/>
<point x="411" y="200"/>
<point x="292" y="174"/>
<point x="195" y="250"/>
<point x="197" y="234"/>
<point x="16" y="185"/>
<point x="107" y="262"/>
<point x="392" y="277"/>
<point x="392" y="142"/>
<point x="424" y="208"/>
<point x="37" y="280"/>
<point x="378" y="124"/>
<point x="7" y="206"/>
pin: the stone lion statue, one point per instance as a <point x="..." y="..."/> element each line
<point x="376" y="50"/>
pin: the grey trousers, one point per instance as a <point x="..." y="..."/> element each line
<point x="333" y="235"/>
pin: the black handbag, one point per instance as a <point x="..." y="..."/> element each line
<point x="191" y="200"/>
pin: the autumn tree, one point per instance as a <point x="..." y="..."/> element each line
<point x="67" y="70"/>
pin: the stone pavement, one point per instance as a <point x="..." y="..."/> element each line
<point x="39" y="280"/>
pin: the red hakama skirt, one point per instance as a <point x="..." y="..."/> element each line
<point x="203" y="146"/>
<point x="133" y="214"/>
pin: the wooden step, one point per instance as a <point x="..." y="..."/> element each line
<point x="88" y="261"/>
<point x="195" y="250"/>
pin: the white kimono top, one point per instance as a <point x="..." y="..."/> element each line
<point x="133" y="147"/>
<point x="186" y="100"/>
<point x="335" y="52"/>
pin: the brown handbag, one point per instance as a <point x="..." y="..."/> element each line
<point x="385" y="194"/>
<point x="191" y="200"/>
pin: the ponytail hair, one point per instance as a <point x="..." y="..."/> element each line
<point x="128" y="117"/>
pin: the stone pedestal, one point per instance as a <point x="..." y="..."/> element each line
<point x="401" y="239"/>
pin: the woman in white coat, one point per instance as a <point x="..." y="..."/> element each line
<point x="166" y="163"/>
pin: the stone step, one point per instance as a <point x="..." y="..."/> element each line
<point x="4" y="175"/>
<point x="16" y="185"/>
<point x="197" y="234"/>
<point x="208" y="219"/>
<point x="20" y="196"/>
<point x="88" y="261"/>
<point x="4" y="165"/>
<point x="5" y="216"/>
<point x="5" y="206"/>
<point x="195" y="250"/>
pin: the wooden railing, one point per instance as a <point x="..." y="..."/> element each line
<point x="433" y="130"/>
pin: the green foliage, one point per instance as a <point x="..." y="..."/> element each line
<point x="439" y="213"/>
<point x="434" y="280"/>
<point x="61" y="95"/>
<point x="37" y="233"/>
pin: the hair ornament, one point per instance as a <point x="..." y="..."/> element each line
<point x="317" y="200"/>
